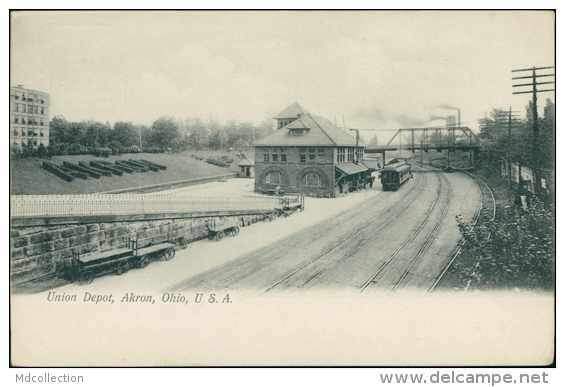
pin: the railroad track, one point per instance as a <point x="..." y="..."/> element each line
<point x="363" y="241"/>
<point x="488" y="202"/>
<point x="252" y="259"/>
<point x="432" y="234"/>
<point x="442" y="211"/>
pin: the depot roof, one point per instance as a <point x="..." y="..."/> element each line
<point x="292" y="111"/>
<point x="309" y="130"/>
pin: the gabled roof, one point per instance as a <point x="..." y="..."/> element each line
<point x="298" y="124"/>
<point x="321" y="133"/>
<point x="246" y="162"/>
<point x="292" y="111"/>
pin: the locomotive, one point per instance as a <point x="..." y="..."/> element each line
<point x="394" y="175"/>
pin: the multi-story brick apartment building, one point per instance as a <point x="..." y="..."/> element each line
<point x="309" y="155"/>
<point x="29" y="117"/>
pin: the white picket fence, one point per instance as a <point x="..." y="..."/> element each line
<point x="57" y="205"/>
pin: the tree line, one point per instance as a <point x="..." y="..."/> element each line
<point x="520" y="144"/>
<point x="67" y="137"/>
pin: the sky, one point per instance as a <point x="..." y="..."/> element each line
<point x="367" y="69"/>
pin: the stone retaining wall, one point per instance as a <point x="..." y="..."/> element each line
<point x="35" y="251"/>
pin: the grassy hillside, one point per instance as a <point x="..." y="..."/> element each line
<point x="28" y="178"/>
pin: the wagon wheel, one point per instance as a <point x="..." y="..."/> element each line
<point x="211" y="235"/>
<point x="144" y="262"/>
<point x="123" y="268"/>
<point x="169" y="254"/>
<point x="301" y="208"/>
<point x="86" y="278"/>
<point x="219" y="235"/>
<point x="235" y="231"/>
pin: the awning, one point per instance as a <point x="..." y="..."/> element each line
<point x="371" y="164"/>
<point x="351" y="168"/>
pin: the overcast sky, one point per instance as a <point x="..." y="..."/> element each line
<point x="376" y="69"/>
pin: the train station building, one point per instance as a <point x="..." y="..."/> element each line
<point x="309" y="155"/>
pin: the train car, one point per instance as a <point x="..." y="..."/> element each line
<point x="394" y="175"/>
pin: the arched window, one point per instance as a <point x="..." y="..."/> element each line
<point x="273" y="177"/>
<point x="311" y="180"/>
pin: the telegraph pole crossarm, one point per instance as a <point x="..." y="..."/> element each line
<point x="535" y="131"/>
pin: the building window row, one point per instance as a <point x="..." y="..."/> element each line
<point x="309" y="154"/>
<point x="30" y="109"/>
<point x="29" y="132"/>
<point x="30" y="121"/>
<point x="29" y="98"/>
<point x="275" y="157"/>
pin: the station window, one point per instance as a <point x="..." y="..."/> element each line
<point x="302" y="158"/>
<point x="266" y="158"/>
<point x="283" y="158"/>
<point x="341" y="155"/>
<point x="360" y="153"/>
<point x="311" y="180"/>
<point x="275" y="158"/>
<point x="351" y="154"/>
<point x="273" y="178"/>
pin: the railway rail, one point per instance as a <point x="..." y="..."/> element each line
<point x="488" y="202"/>
<point x="391" y="211"/>
<point x="311" y="260"/>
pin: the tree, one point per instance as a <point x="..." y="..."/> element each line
<point x="547" y="136"/>
<point x="199" y="134"/>
<point x="96" y="135"/>
<point x="165" y="132"/>
<point x="59" y="131"/>
<point x="374" y="142"/>
<point x="125" y="134"/>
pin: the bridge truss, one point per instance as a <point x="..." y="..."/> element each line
<point x="450" y="138"/>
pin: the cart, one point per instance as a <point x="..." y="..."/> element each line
<point x="289" y="205"/>
<point x="83" y="269"/>
<point x="217" y="230"/>
<point x="119" y="261"/>
<point x="143" y="256"/>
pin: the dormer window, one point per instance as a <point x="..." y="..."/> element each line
<point x="297" y="132"/>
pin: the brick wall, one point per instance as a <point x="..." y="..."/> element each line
<point x="293" y="170"/>
<point x="35" y="251"/>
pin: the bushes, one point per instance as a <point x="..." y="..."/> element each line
<point x="102" y="152"/>
<point x="57" y="171"/>
<point x="219" y="162"/>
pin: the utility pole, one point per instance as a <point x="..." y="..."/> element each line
<point x="534" y="91"/>
<point x="356" y="159"/>
<point x="501" y="119"/>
